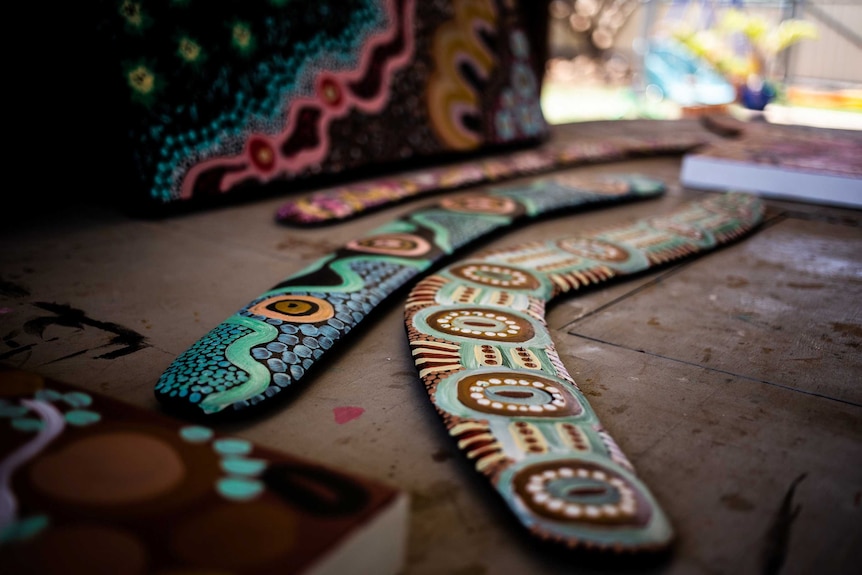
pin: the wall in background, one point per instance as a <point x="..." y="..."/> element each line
<point x="834" y="60"/>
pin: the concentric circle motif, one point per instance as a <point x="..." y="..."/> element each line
<point x="594" y="249"/>
<point x="496" y="275"/>
<point x="486" y="324"/>
<point x="262" y="154"/>
<point x="679" y="228"/>
<point x="294" y="308"/>
<point x="404" y="245"/>
<point x="582" y="492"/>
<point x="517" y="394"/>
<point x="482" y="204"/>
<point x="330" y="91"/>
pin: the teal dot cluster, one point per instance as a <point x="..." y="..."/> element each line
<point x="204" y="368"/>
<point x="241" y="481"/>
<point x="298" y="346"/>
<point x="20" y="418"/>
<point x="23" y="529"/>
<point x="519" y="112"/>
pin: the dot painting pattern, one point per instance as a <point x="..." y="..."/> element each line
<point x="482" y="324"/>
<point x="349" y="201"/>
<point x="513" y="392"/>
<point x="226" y="96"/>
<point x="135" y="491"/>
<point x="494" y="376"/>
<point x="272" y="342"/>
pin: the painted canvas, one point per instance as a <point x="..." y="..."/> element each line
<point x="228" y="97"/>
<point x="91" y="485"/>
<point x="797" y="163"/>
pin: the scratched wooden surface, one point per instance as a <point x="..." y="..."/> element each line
<point x="732" y="381"/>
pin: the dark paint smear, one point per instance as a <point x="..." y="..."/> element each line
<point x="9" y="338"/>
<point x="10" y="289"/>
<point x="16" y="351"/>
<point x="778" y="536"/>
<point x="316" y="490"/>
<point x="848" y="328"/>
<point x="736" y="502"/>
<point x="66" y="316"/>
<point x="441" y="455"/>
<point x="70" y="356"/>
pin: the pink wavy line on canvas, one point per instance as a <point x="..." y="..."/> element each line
<point x="53" y="426"/>
<point x="285" y="165"/>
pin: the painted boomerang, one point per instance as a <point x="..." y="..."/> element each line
<point x="345" y="202"/>
<point x="270" y="343"/>
<point x="482" y="348"/>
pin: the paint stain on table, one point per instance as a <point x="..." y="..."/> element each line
<point x="347" y="413"/>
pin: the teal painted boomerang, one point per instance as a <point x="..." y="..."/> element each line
<point x="483" y="351"/>
<point x="344" y="202"/>
<point x="270" y="344"/>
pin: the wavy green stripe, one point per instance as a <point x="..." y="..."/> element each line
<point x="443" y="233"/>
<point x="238" y="354"/>
<point x="351" y="280"/>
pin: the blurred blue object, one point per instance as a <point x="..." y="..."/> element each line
<point x="755" y="95"/>
<point x="682" y="77"/>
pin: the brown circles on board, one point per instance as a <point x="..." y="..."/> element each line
<point x="496" y="275"/>
<point x="595" y="249"/>
<point x="399" y="245"/>
<point x="480" y="204"/>
<point x="110" y="469"/>
<point x="237" y="536"/>
<point x="294" y="308"/>
<point x="87" y="549"/>
<point x="486" y="324"/>
<point x="517" y="394"/>
<point x="18" y="383"/>
<point x="582" y="492"/>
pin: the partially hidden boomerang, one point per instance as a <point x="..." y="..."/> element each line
<point x="349" y="201"/>
<point x="483" y="351"/>
<point x="269" y="344"/>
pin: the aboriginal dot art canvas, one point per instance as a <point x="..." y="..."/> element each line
<point x="92" y="485"/>
<point x="229" y="97"/>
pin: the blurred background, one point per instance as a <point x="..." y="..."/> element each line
<point x="788" y="61"/>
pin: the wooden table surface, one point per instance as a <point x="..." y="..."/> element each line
<point x="733" y="381"/>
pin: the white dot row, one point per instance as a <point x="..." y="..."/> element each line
<point x="508" y="332"/>
<point x="536" y="486"/>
